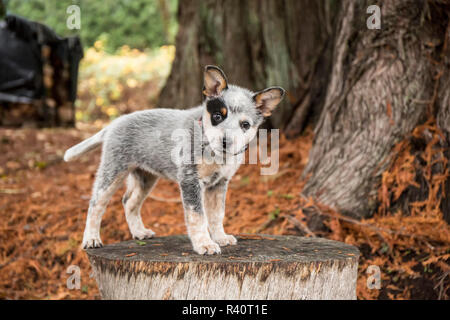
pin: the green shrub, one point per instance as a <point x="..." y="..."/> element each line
<point x="137" y="23"/>
<point x="105" y="79"/>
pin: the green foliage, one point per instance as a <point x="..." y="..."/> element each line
<point x="274" y="214"/>
<point x="137" y="23"/>
<point x="245" y="181"/>
<point x="105" y="77"/>
<point x="2" y="9"/>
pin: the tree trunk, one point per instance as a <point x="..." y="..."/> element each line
<point x="258" y="44"/>
<point x="383" y="84"/>
<point x="443" y="114"/>
<point x="366" y="90"/>
<point x="258" y="268"/>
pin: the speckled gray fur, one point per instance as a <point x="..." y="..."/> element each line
<point x="141" y="146"/>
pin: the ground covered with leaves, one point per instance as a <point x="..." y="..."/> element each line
<point x="43" y="200"/>
<point x="43" y="205"/>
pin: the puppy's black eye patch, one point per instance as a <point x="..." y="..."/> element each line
<point x="217" y="110"/>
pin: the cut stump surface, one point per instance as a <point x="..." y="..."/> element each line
<point x="258" y="267"/>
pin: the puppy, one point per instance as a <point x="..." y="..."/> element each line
<point x="199" y="148"/>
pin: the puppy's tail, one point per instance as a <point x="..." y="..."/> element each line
<point x="85" y="146"/>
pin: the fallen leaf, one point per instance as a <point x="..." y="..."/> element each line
<point x="131" y="254"/>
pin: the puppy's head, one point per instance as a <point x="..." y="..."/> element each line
<point x="232" y="114"/>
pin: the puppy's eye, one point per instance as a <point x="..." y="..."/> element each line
<point x="217" y="117"/>
<point x="245" y="125"/>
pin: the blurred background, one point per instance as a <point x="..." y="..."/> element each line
<point x="125" y="49"/>
<point x="365" y="127"/>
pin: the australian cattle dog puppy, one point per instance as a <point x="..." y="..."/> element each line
<point x="145" y="145"/>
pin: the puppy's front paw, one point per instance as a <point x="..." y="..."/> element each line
<point x="143" y="234"/>
<point x="207" y="247"/>
<point x="92" y="243"/>
<point x="225" y="240"/>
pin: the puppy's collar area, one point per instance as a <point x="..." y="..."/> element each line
<point x="242" y="150"/>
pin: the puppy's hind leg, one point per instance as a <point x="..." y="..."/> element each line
<point x="139" y="185"/>
<point x="106" y="184"/>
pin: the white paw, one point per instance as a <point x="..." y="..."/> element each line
<point x="93" y="242"/>
<point x="225" y="240"/>
<point x="143" y="234"/>
<point x="208" y="247"/>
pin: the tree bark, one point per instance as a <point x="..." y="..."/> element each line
<point x="258" y="44"/>
<point x="443" y="112"/>
<point x="259" y="267"/>
<point x="381" y="88"/>
<point x="364" y="90"/>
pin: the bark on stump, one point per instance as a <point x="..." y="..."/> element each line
<point x="258" y="267"/>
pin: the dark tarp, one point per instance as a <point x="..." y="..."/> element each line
<point x="21" y="40"/>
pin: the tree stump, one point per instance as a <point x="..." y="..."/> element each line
<point x="259" y="267"/>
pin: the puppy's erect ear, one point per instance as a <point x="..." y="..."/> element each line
<point x="268" y="99"/>
<point x="214" y="81"/>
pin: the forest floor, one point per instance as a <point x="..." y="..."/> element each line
<point x="43" y="205"/>
<point x="43" y="200"/>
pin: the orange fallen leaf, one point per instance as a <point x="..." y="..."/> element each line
<point x="131" y="254"/>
